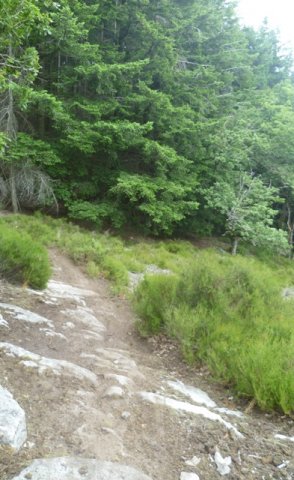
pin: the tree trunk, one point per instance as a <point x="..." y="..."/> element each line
<point x="235" y="244"/>
<point x="290" y="225"/>
<point x="13" y="192"/>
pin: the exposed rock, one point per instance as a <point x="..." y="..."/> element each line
<point x="193" y="462"/>
<point x="67" y="468"/>
<point x="69" y="325"/>
<point x="195" y="394"/>
<point x="117" y="357"/>
<point x="125" y="415"/>
<point x="43" y="364"/>
<point x="13" y="430"/>
<point x="85" y="315"/>
<point x="188" y="408"/>
<point x="227" y="411"/>
<point x="25" y="315"/>
<point x="284" y="437"/>
<point x="223" y="464"/>
<point x="3" y="322"/>
<point x="288" y="292"/>
<point x="277" y="461"/>
<point x="189" y="476"/>
<point x="114" y="392"/>
<point x="52" y="333"/>
<point x="121" y="379"/>
<point x="136" y="278"/>
<point x="61" y="290"/>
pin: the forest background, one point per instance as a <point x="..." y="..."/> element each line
<point x="165" y="115"/>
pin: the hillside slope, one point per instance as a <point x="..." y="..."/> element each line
<point x="91" y="388"/>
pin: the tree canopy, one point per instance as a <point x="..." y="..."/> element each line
<point x="137" y="109"/>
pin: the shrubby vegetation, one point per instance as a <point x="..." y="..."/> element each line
<point x="228" y="313"/>
<point x="102" y="254"/>
<point x="224" y="311"/>
<point x="22" y="259"/>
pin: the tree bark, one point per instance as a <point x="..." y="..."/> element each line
<point x="235" y="244"/>
<point x="13" y="192"/>
<point x="290" y="225"/>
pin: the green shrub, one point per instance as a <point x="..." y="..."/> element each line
<point x="92" y="269"/>
<point x="98" y="214"/>
<point x="34" y="225"/>
<point x="228" y="312"/>
<point x="23" y="260"/>
<point x="115" y="270"/>
<point x="152" y="299"/>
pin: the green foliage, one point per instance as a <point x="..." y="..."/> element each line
<point x="22" y="259"/>
<point x="248" y="208"/>
<point x="103" y="253"/>
<point x="93" y="269"/>
<point x="228" y="312"/>
<point x="163" y="203"/>
<point x="135" y="113"/>
<point x="22" y="183"/>
<point x="116" y="271"/>
<point x="34" y="225"/>
<point x="29" y="149"/>
<point x="98" y="214"/>
<point x="152" y="299"/>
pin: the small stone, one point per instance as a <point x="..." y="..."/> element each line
<point x="28" y="476"/>
<point x="125" y="415"/>
<point x="193" y="462"/>
<point x="189" y="476"/>
<point x="277" y="460"/>
<point x="114" y="392"/>
<point x="223" y="464"/>
<point x="209" y="447"/>
<point x="267" y="460"/>
<point x="83" y="471"/>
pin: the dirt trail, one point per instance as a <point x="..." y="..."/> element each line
<point x="90" y="387"/>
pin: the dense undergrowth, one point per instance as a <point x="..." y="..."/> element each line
<point x="224" y="311"/>
<point x="229" y="313"/>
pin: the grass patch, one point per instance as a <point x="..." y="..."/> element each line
<point x="100" y="253"/>
<point x="22" y="260"/>
<point x="228" y="312"/>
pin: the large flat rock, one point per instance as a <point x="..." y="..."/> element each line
<point x="67" y="468"/>
<point x="43" y="364"/>
<point x="13" y="432"/>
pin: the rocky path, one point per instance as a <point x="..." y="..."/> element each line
<point x="89" y="399"/>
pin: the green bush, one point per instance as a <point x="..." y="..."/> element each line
<point x="92" y="269"/>
<point x="23" y="260"/>
<point x="115" y="270"/>
<point x="228" y="313"/>
<point x="97" y="214"/>
<point x="35" y="225"/>
<point x="152" y="299"/>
